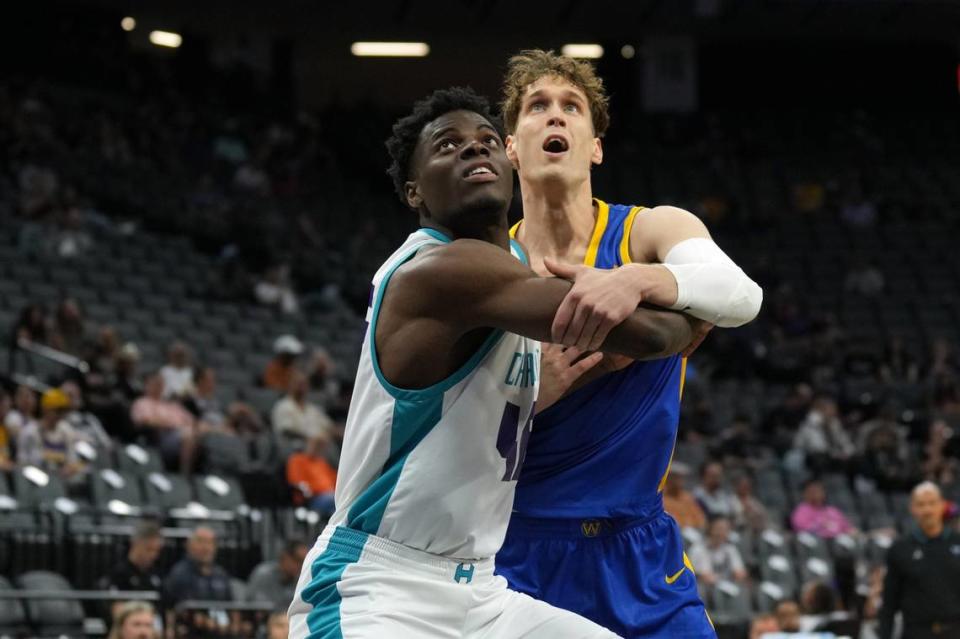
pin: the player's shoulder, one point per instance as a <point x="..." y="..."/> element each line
<point x="461" y="265"/>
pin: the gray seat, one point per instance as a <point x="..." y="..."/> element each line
<point x="780" y="570"/>
<point x="218" y="493"/>
<point x="52" y="616"/>
<point x="13" y="617"/>
<point x="35" y="488"/>
<point x="138" y="460"/>
<point x="731" y="603"/>
<point x="108" y="485"/>
<point x="165" y="492"/>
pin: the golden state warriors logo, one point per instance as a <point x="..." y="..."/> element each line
<point x="590" y="527"/>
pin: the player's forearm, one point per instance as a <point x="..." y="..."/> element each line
<point x="706" y="284"/>
<point x="650" y="334"/>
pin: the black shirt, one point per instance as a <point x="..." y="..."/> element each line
<point x="127" y="576"/>
<point x="923" y="582"/>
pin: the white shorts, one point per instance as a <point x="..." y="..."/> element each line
<point x="357" y="586"/>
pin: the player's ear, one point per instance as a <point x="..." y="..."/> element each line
<point x="597" y="156"/>
<point x="511" y="151"/>
<point x="414" y="200"/>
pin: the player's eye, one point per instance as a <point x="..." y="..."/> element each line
<point x="537" y="107"/>
<point x="446" y="144"/>
<point x="492" y="140"/>
<point x="572" y="108"/>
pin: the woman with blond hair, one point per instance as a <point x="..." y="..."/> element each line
<point x="134" y="620"/>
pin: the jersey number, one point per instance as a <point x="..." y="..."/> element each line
<point x="510" y="447"/>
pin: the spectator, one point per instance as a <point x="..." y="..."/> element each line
<point x="103" y="354"/>
<point x="278" y="626"/>
<point x="713" y="497"/>
<point x="24" y="413"/>
<point x="938" y="465"/>
<point x="923" y="573"/>
<point x="277" y="374"/>
<point x="51" y="443"/>
<point x="679" y="502"/>
<point x="898" y="364"/>
<point x="715" y="557"/>
<point x="275" y="582"/>
<point x="204" y="403"/>
<point x="813" y="515"/>
<point x="822" y="439"/>
<point x="198" y="577"/>
<point x="6" y="437"/>
<point x="884" y="454"/>
<point x="177" y="373"/>
<point x="748" y="512"/>
<point x="86" y="425"/>
<point x="134" y="620"/>
<point x="943" y="359"/>
<point x="787" y="613"/>
<point x="818" y="601"/>
<point x="322" y="373"/>
<point x="70" y="239"/>
<point x="230" y="448"/>
<point x="139" y="570"/>
<point x="762" y="625"/>
<point x="69" y="332"/>
<point x="170" y="423"/>
<point x="310" y="472"/>
<point x="275" y="289"/>
<point x="32" y="325"/>
<point x="295" y="416"/>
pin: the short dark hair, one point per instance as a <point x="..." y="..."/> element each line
<point x="822" y="600"/>
<point x="809" y="481"/>
<point x="147" y="529"/>
<point x="290" y="546"/>
<point x="406" y="131"/>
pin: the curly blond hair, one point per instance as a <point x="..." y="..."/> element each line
<point x="530" y="65"/>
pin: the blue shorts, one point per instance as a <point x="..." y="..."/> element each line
<point x="628" y="575"/>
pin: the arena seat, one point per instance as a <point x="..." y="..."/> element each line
<point x="35" y="488"/>
<point x="13" y="617"/>
<point x="165" y="492"/>
<point x="52" y="616"/>
<point x="138" y="460"/>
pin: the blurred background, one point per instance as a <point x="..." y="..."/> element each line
<point x="193" y="201"/>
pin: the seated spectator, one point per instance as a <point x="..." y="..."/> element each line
<point x="177" y="373"/>
<point x="813" y="515"/>
<point x="715" y="557"/>
<point x="69" y="332"/>
<point x="278" y="626"/>
<point x="748" y="512"/>
<point x="762" y="625"/>
<point x="198" y="577"/>
<point x="171" y="424"/>
<point x="86" y="425"/>
<point x="818" y="601"/>
<point x="204" y="403"/>
<point x="138" y="571"/>
<point x="884" y="454"/>
<point x="787" y="612"/>
<point x="70" y="240"/>
<point x="322" y="373"/>
<point x="51" y="443"/>
<point x="822" y="438"/>
<point x="102" y="356"/>
<point x="898" y="364"/>
<point x="715" y="499"/>
<point x="276" y="290"/>
<point x="679" y="502"/>
<point x="134" y="620"/>
<point x="277" y="374"/>
<point x="229" y="447"/>
<point x="23" y="413"/>
<point x="32" y="325"/>
<point x="310" y="472"/>
<point x="294" y="416"/>
<point x="275" y="582"/>
<point x="6" y="440"/>
<point x="943" y="359"/>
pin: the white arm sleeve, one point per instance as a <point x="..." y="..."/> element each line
<point x="710" y="286"/>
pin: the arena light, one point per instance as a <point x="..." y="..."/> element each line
<point x="591" y="51"/>
<point x="128" y="24"/>
<point x="627" y="51"/>
<point x="390" y="49"/>
<point x="166" y="39"/>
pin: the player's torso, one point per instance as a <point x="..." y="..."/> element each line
<point x="604" y="450"/>
<point x="436" y="469"/>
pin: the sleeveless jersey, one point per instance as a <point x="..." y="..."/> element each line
<point x="436" y="469"/>
<point x="605" y="449"/>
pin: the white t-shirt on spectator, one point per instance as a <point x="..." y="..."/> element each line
<point x="290" y="418"/>
<point x="721" y="503"/>
<point x="177" y="382"/>
<point x="722" y="561"/>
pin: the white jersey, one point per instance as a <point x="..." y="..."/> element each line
<point x="435" y="469"/>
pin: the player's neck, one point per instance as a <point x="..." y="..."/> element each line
<point x="557" y="222"/>
<point x="495" y="233"/>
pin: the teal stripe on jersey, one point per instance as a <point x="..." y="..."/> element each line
<point x="321" y="593"/>
<point x="520" y="252"/>
<point x="412" y="420"/>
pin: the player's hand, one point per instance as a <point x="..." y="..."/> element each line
<point x="599" y="300"/>
<point x="700" y="331"/>
<point x="560" y="368"/>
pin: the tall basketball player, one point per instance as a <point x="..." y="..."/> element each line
<point x="443" y="403"/>
<point x="589" y="533"/>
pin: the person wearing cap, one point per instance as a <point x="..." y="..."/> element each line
<point x="50" y="444"/>
<point x="923" y="573"/>
<point x="277" y="374"/>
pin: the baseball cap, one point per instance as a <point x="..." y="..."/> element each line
<point x="288" y="344"/>
<point x="54" y="399"/>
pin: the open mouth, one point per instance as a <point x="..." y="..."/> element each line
<point x="555" y="144"/>
<point x="482" y="172"/>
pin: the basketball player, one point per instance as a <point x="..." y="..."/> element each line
<point x="589" y="533"/>
<point x="443" y="402"/>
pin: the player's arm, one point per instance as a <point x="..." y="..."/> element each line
<point x="675" y="265"/>
<point x="471" y="284"/>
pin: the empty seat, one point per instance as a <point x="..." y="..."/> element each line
<point x="218" y="493"/>
<point x="35" y="488"/>
<point x="166" y="492"/>
<point x="52" y="616"/>
<point x="138" y="460"/>
<point x="731" y="603"/>
<point x="13" y="617"/>
<point x="107" y="486"/>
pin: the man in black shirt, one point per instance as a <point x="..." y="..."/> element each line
<point x="138" y="572"/>
<point x="923" y="574"/>
<point x="197" y="577"/>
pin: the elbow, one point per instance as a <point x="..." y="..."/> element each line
<point x="745" y="306"/>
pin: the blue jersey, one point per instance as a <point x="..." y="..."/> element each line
<point x="605" y="449"/>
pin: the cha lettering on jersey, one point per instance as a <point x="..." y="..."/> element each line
<point x="523" y="370"/>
